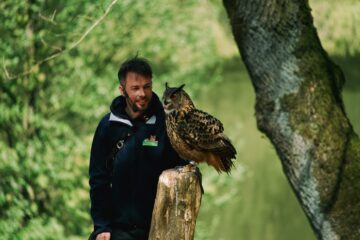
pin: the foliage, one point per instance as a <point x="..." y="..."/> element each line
<point x="49" y="111"/>
<point x="337" y="24"/>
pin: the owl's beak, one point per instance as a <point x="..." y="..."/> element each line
<point x="167" y="106"/>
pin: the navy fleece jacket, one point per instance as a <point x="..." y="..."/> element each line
<point x="123" y="190"/>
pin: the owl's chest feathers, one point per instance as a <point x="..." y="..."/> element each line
<point x="172" y="122"/>
<point x="184" y="150"/>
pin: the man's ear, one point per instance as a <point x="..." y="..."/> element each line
<point x="121" y="89"/>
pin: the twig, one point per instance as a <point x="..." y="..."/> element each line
<point x="49" y="20"/>
<point x="94" y="24"/>
<point x="5" y="70"/>
<point x="53" y="16"/>
<point x="75" y="44"/>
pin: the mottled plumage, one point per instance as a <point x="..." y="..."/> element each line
<point x="194" y="134"/>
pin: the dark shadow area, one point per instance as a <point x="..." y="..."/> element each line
<point x="233" y="64"/>
<point x="350" y="67"/>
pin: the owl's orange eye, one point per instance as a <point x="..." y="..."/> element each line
<point x="173" y="97"/>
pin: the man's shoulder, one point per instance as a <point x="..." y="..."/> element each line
<point x="111" y="122"/>
<point x="105" y="120"/>
<point x="103" y="125"/>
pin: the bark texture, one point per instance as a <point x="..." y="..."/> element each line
<point x="176" y="206"/>
<point x="300" y="109"/>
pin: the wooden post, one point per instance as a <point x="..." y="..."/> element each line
<point x="176" y="206"/>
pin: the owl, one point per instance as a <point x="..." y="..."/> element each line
<point x="196" y="135"/>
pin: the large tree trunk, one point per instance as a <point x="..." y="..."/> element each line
<point x="300" y="108"/>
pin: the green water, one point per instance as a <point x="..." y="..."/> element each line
<point x="255" y="202"/>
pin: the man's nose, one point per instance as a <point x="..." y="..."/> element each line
<point x="141" y="92"/>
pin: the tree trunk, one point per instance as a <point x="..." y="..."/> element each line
<point x="300" y="109"/>
<point x="176" y="206"/>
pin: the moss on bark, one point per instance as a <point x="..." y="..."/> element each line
<point x="346" y="211"/>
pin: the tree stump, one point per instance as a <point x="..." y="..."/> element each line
<point x="176" y="206"/>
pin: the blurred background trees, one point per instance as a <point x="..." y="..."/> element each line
<point x="48" y="112"/>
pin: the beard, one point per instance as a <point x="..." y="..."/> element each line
<point x="134" y="106"/>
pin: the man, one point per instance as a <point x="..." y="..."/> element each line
<point x="130" y="149"/>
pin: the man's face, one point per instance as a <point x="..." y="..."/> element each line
<point x="139" y="91"/>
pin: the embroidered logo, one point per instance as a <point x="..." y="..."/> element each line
<point x="150" y="142"/>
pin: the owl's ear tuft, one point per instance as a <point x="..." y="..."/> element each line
<point x="181" y="87"/>
<point x="166" y="85"/>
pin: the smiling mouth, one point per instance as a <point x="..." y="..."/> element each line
<point x="142" y="102"/>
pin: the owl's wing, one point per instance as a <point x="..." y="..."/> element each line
<point x="201" y="130"/>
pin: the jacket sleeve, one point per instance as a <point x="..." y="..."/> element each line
<point x="100" y="180"/>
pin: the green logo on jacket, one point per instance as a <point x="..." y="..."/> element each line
<point x="150" y="142"/>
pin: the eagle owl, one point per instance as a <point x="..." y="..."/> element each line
<point x="196" y="135"/>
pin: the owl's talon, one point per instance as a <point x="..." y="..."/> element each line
<point x="193" y="163"/>
<point x="178" y="168"/>
<point x="185" y="169"/>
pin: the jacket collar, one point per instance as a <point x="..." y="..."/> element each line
<point x="114" y="118"/>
